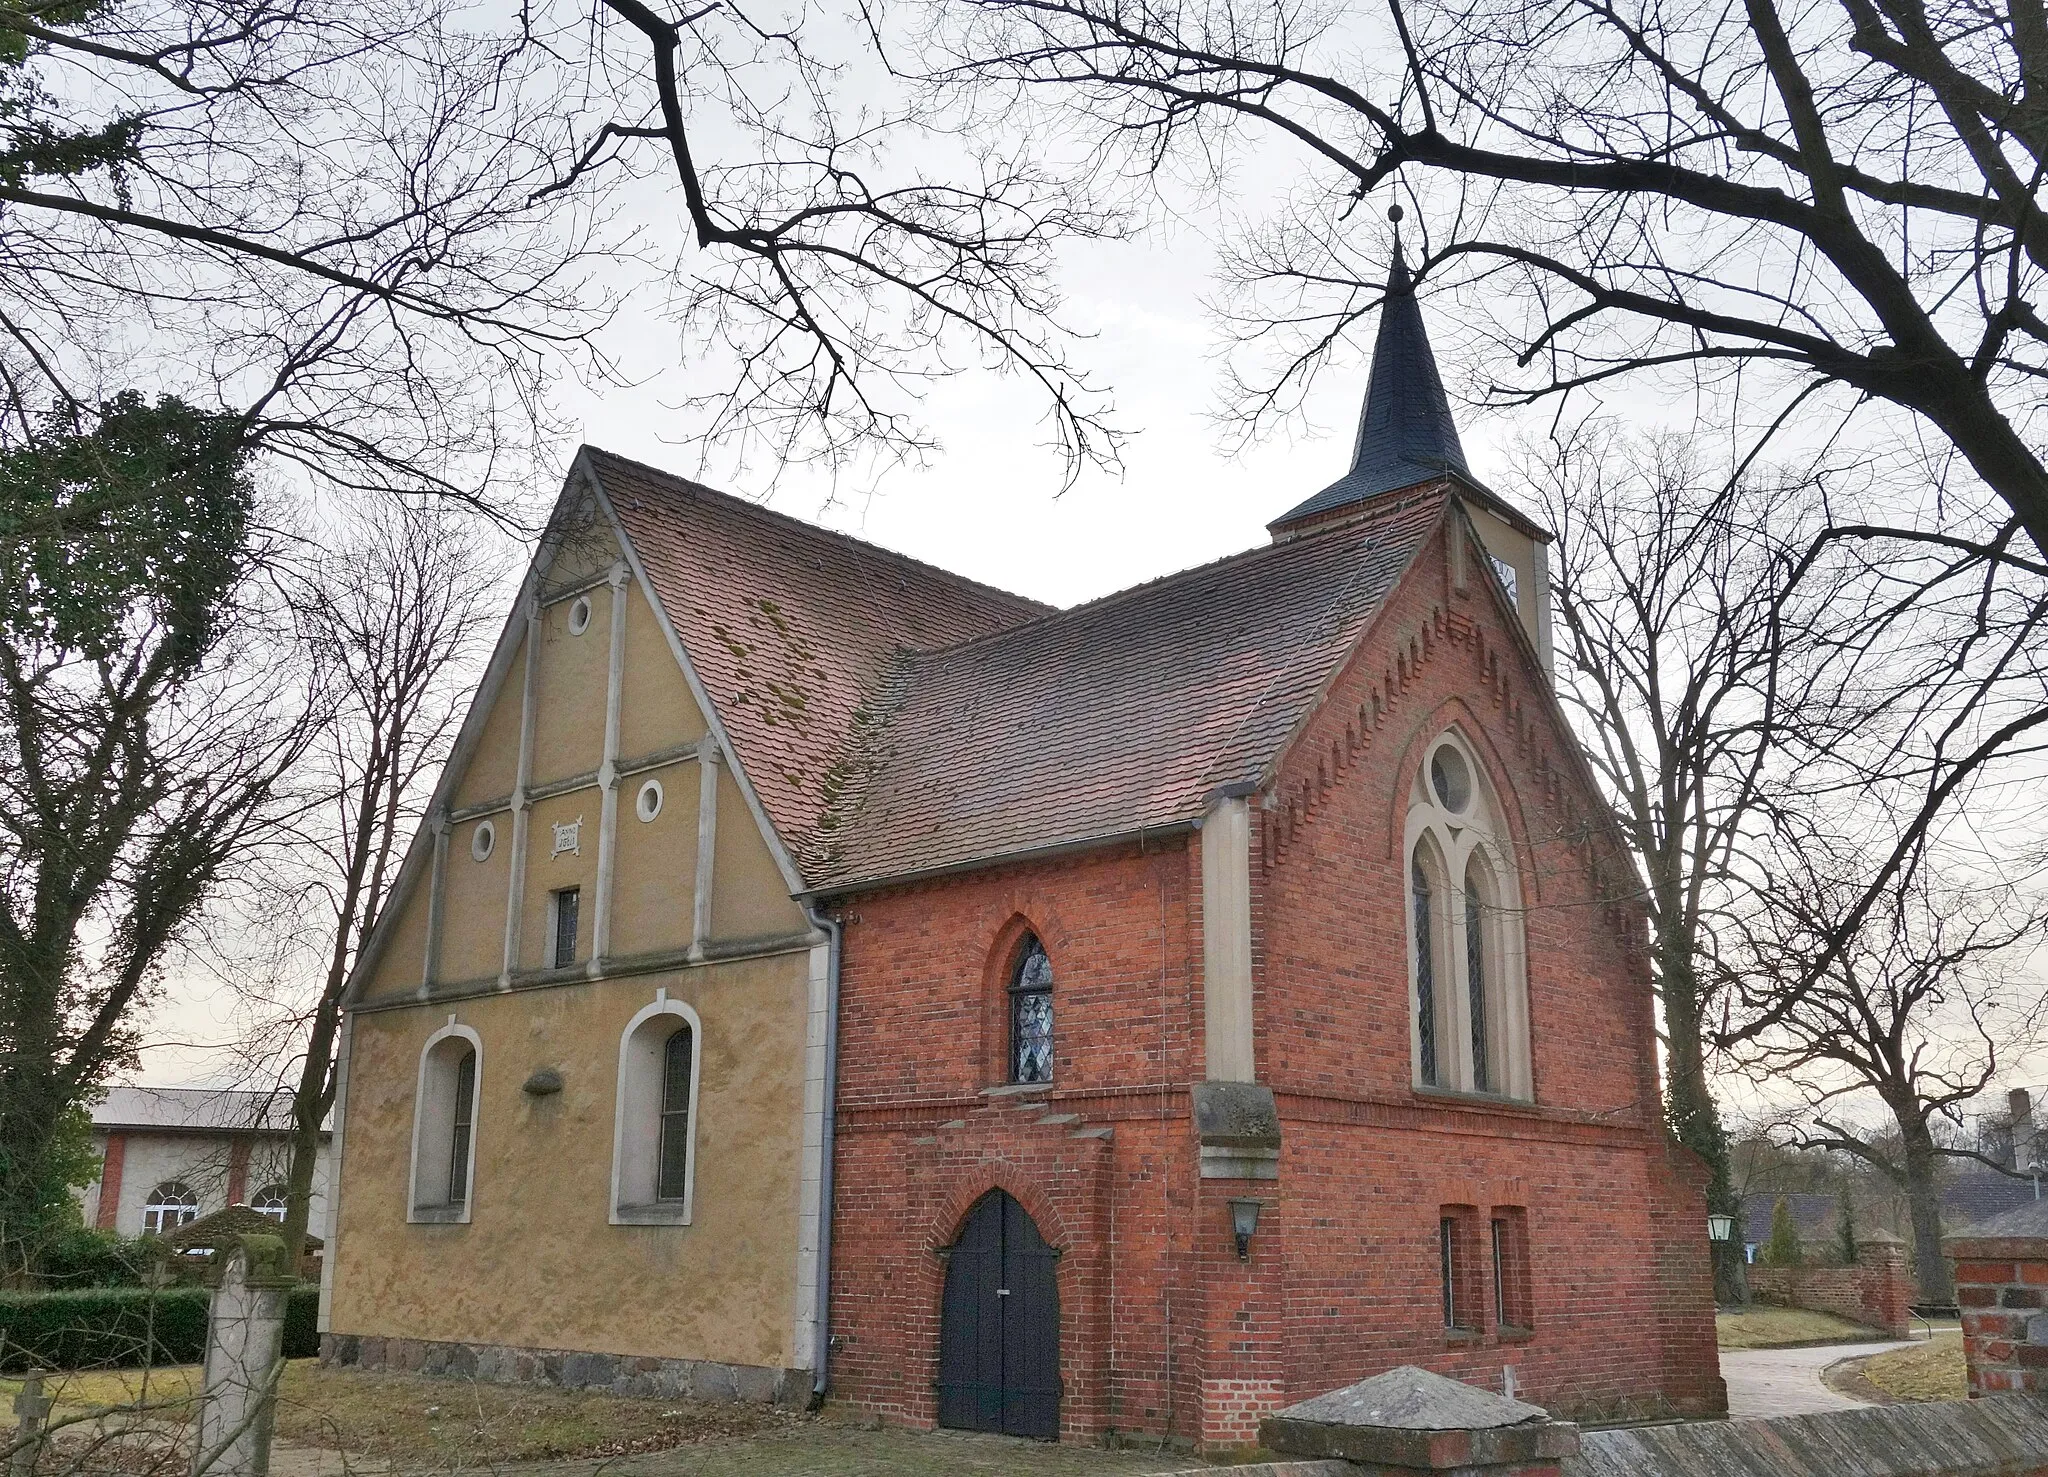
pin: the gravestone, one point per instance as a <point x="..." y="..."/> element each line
<point x="244" y="1356"/>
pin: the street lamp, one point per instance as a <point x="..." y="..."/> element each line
<point x="1720" y="1228"/>
<point x="1244" y="1220"/>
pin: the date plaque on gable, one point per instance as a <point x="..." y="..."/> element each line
<point x="568" y="837"/>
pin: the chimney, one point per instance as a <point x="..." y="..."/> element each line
<point x="2020" y="1105"/>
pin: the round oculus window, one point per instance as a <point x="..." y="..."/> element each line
<point x="1451" y="778"/>
<point x="647" y="804"/>
<point x="482" y="840"/>
<point x="579" y="616"/>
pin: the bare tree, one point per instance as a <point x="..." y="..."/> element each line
<point x="144" y="727"/>
<point x="378" y="231"/>
<point x="1685" y="641"/>
<point x="1843" y="195"/>
<point x="395" y="612"/>
<point x="1922" y="1011"/>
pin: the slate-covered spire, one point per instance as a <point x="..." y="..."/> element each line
<point x="1406" y="434"/>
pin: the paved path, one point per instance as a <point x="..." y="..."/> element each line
<point x="1764" y="1382"/>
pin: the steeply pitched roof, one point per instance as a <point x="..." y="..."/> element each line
<point x="1123" y="714"/>
<point x="1405" y="433"/>
<point x="791" y="628"/>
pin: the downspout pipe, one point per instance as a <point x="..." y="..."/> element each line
<point x="828" y="1123"/>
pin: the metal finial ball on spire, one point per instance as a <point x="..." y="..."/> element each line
<point x="1394" y="214"/>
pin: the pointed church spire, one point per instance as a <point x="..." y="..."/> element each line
<point x="1405" y="434"/>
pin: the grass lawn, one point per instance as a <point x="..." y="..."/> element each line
<point x="391" y="1423"/>
<point x="1785" y="1328"/>
<point x="1928" y="1371"/>
<point x="437" y="1421"/>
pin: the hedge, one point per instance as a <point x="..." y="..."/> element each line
<point x="115" y="1327"/>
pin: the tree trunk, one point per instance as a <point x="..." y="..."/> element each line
<point x="1694" y="1116"/>
<point x="1924" y="1195"/>
<point x="310" y="1102"/>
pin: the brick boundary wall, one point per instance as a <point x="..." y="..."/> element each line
<point x="642" y="1377"/>
<point x="1875" y="1291"/>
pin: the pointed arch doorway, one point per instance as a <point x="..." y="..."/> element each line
<point x="999" y="1325"/>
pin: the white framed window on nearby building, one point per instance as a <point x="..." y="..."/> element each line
<point x="169" y="1206"/>
<point x="272" y="1201"/>
<point x="444" y="1125"/>
<point x="654" y="1136"/>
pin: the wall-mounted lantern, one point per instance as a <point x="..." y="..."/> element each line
<point x="1720" y="1228"/>
<point x="1244" y="1222"/>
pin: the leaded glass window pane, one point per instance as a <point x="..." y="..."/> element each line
<point x="1031" y="1015"/>
<point x="458" y="1147"/>
<point x="1475" y="982"/>
<point x="1425" y="973"/>
<point x="566" y="909"/>
<point x="674" y="1170"/>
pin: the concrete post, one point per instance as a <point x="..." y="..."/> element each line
<point x="244" y="1356"/>
<point x="31" y="1408"/>
<point x="1409" y="1420"/>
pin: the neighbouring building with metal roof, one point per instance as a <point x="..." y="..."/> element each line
<point x="169" y="1155"/>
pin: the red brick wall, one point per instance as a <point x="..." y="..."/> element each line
<point x="1622" y="1290"/>
<point x="1875" y="1291"/>
<point x="110" y="1181"/>
<point x="1163" y="1328"/>
<point x="2002" y="1287"/>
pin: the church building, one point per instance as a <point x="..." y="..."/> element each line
<point x="823" y="976"/>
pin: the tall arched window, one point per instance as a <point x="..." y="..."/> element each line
<point x="1467" y="989"/>
<point x="169" y="1206"/>
<point x="678" y="1064"/>
<point x="654" y="1128"/>
<point x="1031" y="1014"/>
<point x="1425" y="969"/>
<point x="1475" y="982"/>
<point x="444" y="1125"/>
<point x="271" y="1200"/>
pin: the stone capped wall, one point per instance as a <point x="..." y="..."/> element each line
<point x="1876" y="1291"/>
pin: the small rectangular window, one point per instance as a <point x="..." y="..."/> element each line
<point x="565" y="926"/>
<point x="1513" y="1294"/>
<point x="1461" y="1265"/>
<point x="1447" y="1238"/>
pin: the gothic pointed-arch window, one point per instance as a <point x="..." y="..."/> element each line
<point x="1424" y="937"/>
<point x="1031" y="1013"/>
<point x="1467" y="992"/>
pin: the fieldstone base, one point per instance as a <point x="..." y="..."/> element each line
<point x="569" y="1369"/>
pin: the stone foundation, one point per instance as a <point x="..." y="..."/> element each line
<point x="640" y="1376"/>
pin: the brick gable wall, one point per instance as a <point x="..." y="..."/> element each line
<point x="1164" y="1330"/>
<point x="1621" y="1292"/>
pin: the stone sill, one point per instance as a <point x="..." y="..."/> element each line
<point x="439" y="1215"/>
<point x="1477" y="1099"/>
<point x="650" y="1215"/>
<point x="1463" y="1338"/>
<point x="1511" y="1333"/>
